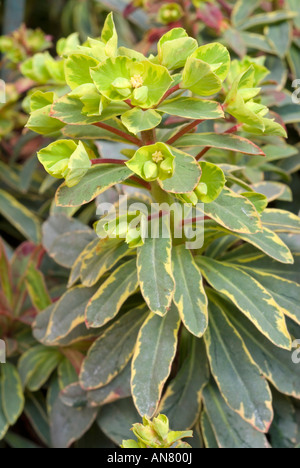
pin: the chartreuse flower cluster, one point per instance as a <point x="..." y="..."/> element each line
<point x="157" y="434"/>
<point x="98" y="90"/>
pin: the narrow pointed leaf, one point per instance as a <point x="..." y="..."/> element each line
<point x="207" y="432"/>
<point x="234" y="212"/>
<point x="69" y="313"/>
<point x="271" y="244"/>
<point x="220" y="141"/>
<point x="230" y="430"/>
<point x="117" y="389"/>
<point x="20" y="217"/>
<point x="281" y="221"/>
<point x="235" y="372"/>
<point x="250" y="297"/>
<point x="152" y="360"/>
<point x="182" y="400"/>
<point x="275" y="363"/>
<point x="99" y="259"/>
<point x="286" y="293"/>
<point x="110" y="297"/>
<point x="11" y="393"/>
<point x="109" y="355"/>
<point x="96" y="181"/>
<point x="37" y="289"/>
<point x="189" y="297"/>
<point x="154" y="263"/>
<point x="192" y="108"/>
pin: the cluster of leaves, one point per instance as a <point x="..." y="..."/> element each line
<point x="157" y="434"/>
<point x="129" y="326"/>
<point x="160" y="328"/>
<point x="27" y="287"/>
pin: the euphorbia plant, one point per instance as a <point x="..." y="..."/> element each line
<point x="168" y="309"/>
<point x="157" y="434"/>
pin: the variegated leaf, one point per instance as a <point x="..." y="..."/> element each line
<point x="152" y="360"/>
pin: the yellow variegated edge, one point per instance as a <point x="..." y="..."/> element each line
<point x="127" y="293"/>
<point x="283" y="227"/>
<point x="288" y="313"/>
<point x="254" y="214"/>
<point x="241" y="410"/>
<point x="169" y="392"/>
<point x="11" y="419"/>
<point x="169" y="272"/>
<point x="126" y="358"/>
<point x="73" y="324"/>
<point x="203" y="306"/>
<point x="280" y="320"/>
<point x="136" y="354"/>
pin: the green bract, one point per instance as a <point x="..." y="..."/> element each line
<point x="240" y="103"/>
<point x="170" y="13"/>
<point x="175" y="47"/>
<point x="206" y="69"/>
<point x="153" y="162"/>
<point x="157" y="434"/>
<point x="130" y="227"/>
<point x="66" y="159"/>
<point x="123" y="78"/>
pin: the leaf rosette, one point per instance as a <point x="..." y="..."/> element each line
<point x="122" y="78"/>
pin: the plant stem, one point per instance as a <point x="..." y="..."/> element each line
<point x="120" y="133"/>
<point x="129" y="103"/>
<point x="108" y="161"/>
<point x="141" y="182"/>
<point x="121" y="162"/>
<point x="149" y="137"/>
<point x="195" y="220"/>
<point x="231" y="130"/>
<point x="183" y="131"/>
<point x="234" y="129"/>
<point x="168" y="93"/>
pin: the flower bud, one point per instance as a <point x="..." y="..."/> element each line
<point x="202" y="189"/>
<point x="141" y="94"/>
<point x="150" y="170"/>
<point x="170" y="13"/>
<point x="167" y="166"/>
<point x="161" y="426"/>
<point x="190" y="198"/>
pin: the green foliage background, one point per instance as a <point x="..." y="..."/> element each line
<point x="237" y="386"/>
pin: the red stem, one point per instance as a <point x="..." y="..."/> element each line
<point x="125" y="136"/>
<point x="195" y="220"/>
<point x="205" y="150"/>
<point x="158" y="215"/>
<point x="129" y="103"/>
<point x="108" y="161"/>
<point x="141" y="182"/>
<point x="183" y="131"/>
<point x="234" y="129"/>
<point x="168" y="93"/>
